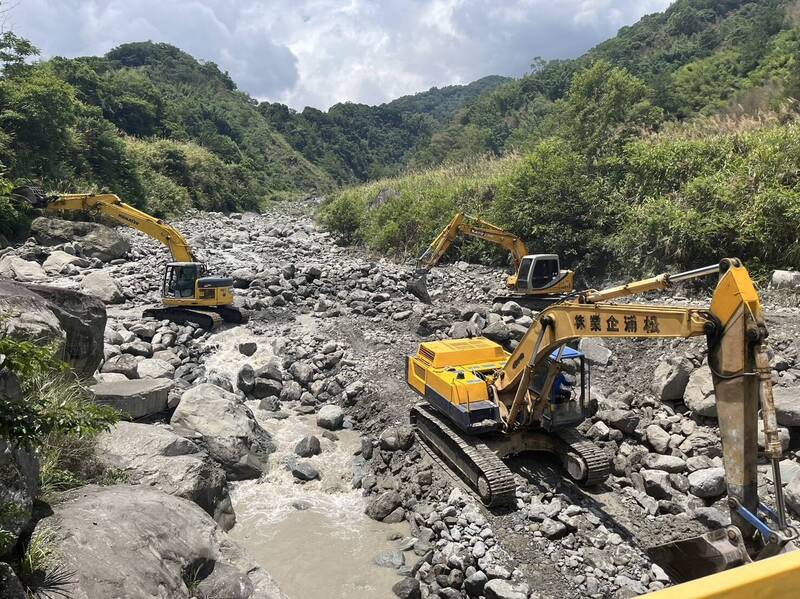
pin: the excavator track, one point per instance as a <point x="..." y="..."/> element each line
<point x="205" y="319"/>
<point x="595" y="462"/>
<point x="468" y="457"/>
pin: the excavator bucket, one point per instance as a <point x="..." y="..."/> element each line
<point x="695" y="557"/>
<point x="418" y="286"/>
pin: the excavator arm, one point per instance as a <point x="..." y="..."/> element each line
<point x="482" y="389"/>
<point x="464" y="224"/>
<point x="111" y="206"/>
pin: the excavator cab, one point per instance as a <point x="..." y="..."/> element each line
<point x="538" y="271"/>
<point x="185" y="283"/>
<point x="569" y="403"/>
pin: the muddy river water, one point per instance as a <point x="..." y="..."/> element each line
<point x="313" y="538"/>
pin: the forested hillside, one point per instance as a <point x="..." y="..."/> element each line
<point x="698" y="56"/>
<point x="355" y="142"/>
<point x="146" y="121"/>
<point x="671" y="145"/>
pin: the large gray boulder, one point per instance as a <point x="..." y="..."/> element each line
<point x="71" y="321"/>
<point x="102" y="285"/>
<point x="155" y="456"/>
<point x="707" y="483"/>
<point x="699" y="395"/>
<point x="786" y="279"/>
<point x="787" y="405"/>
<point x="330" y="417"/>
<point x="83" y="319"/>
<point x="139" y="542"/>
<point x="136" y="398"/>
<point x="59" y="260"/>
<point x="217" y="420"/>
<point x="19" y="484"/>
<point x="28" y="317"/>
<point x="14" y="267"/>
<point x="670" y="379"/>
<point x="96" y="240"/>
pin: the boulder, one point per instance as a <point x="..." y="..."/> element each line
<point x="19" y="484"/>
<point x="381" y="506"/>
<point x="137" y="398"/>
<point x="102" y="285"/>
<point x="707" y="483"/>
<point x="657" y="437"/>
<point x="787" y="405"/>
<point x="246" y="379"/>
<point x="595" y="350"/>
<point x="407" y="588"/>
<point x="29" y="317"/>
<point x="154" y="456"/>
<point x="670" y="379"/>
<point x="699" y="395"/>
<point x="622" y="420"/>
<point x="248" y="348"/>
<point x="302" y="372"/>
<point x="139" y="542"/>
<point x="656" y="483"/>
<point x="226" y="428"/>
<point x="497" y="332"/>
<point x="511" y="308"/>
<point x="153" y="368"/>
<point x="83" y="319"/>
<point x="125" y="364"/>
<point x="330" y="417"/>
<point x="96" y="240"/>
<point x="303" y="470"/>
<point x="57" y="260"/>
<point x="396" y="438"/>
<point x="785" y="279"/>
<point x="26" y="271"/>
<point x="667" y="463"/>
<point x="308" y="446"/>
<point x="505" y="589"/>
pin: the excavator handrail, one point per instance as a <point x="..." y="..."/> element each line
<point x="111" y="206"/>
<point x="466" y="224"/>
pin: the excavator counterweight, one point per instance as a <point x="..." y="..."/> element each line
<point x="483" y="404"/>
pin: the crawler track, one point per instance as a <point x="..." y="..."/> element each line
<point x="468" y="457"/>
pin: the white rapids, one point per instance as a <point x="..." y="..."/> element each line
<point x="313" y="538"/>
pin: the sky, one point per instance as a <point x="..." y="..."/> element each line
<point x="320" y="52"/>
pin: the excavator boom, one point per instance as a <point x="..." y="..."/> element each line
<point x="111" y="206"/>
<point x="464" y="224"/>
<point x="187" y="293"/>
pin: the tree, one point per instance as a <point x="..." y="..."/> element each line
<point x="605" y="107"/>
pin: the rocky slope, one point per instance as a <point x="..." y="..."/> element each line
<point x="335" y="325"/>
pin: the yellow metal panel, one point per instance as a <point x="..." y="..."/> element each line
<point x="734" y="288"/>
<point x="460" y="352"/>
<point x="774" y="578"/>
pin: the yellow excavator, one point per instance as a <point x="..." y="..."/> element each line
<point x="188" y="293"/>
<point x="484" y="404"/>
<point x="537" y="281"/>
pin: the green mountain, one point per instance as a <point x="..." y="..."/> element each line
<point x="667" y="147"/>
<point x="697" y="57"/>
<point x="356" y="142"/>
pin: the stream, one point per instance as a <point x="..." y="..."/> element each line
<point x="313" y="538"/>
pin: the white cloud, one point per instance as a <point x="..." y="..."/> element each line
<point x="319" y="52"/>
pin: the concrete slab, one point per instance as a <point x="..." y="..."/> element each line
<point x="136" y="398"/>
